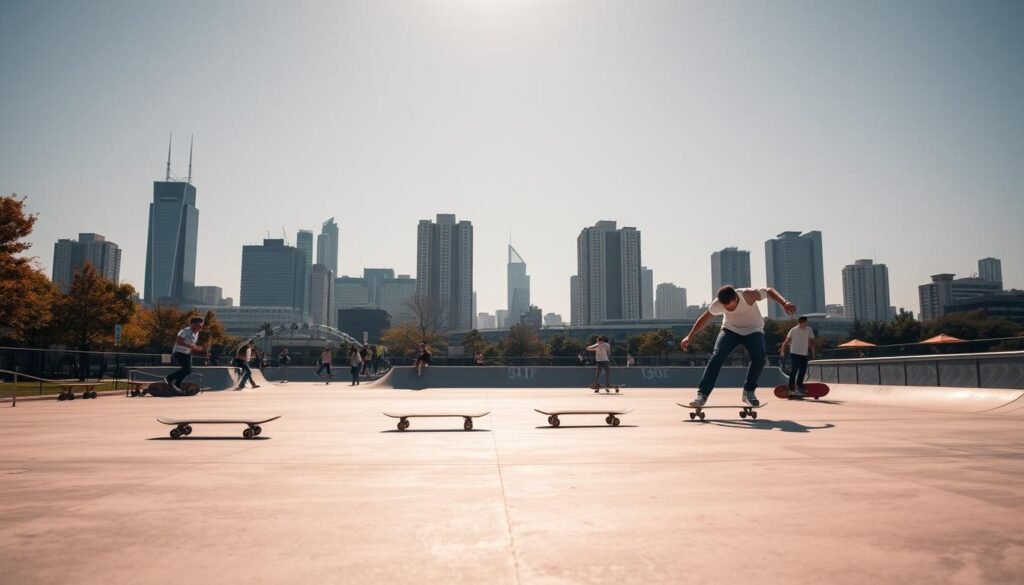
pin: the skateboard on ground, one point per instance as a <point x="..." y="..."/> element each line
<point x="67" y="390"/>
<point x="813" y="390"/>
<point x="162" y="389"/>
<point x="607" y="390"/>
<point x="612" y="416"/>
<point x="698" y="411"/>
<point x="403" y="419"/>
<point x="183" y="427"/>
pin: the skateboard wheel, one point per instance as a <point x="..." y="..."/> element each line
<point x="693" y="415"/>
<point x="247" y="433"/>
<point x="701" y="415"/>
<point x="615" y="421"/>
<point x="256" y="430"/>
<point x="403" y="424"/>
<point x="743" y="414"/>
<point x="468" y="425"/>
<point x="608" y="419"/>
<point x="186" y="430"/>
<point x="175" y="433"/>
<point x="555" y="422"/>
<point x="753" y="415"/>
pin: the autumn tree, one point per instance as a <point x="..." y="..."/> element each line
<point x="93" y="305"/>
<point x="25" y="292"/>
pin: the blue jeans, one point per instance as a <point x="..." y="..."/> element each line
<point x="184" y="362"/>
<point x="245" y="371"/>
<point x="798" y="370"/>
<point x="726" y="342"/>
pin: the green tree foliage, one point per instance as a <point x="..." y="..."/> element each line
<point x="26" y="294"/>
<point x="522" y="341"/>
<point x="87" y="314"/>
<point x="656" y="343"/>
<point x="562" y="345"/>
<point x="705" y="340"/>
<point x="473" y="341"/>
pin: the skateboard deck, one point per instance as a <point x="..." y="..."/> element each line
<point x="747" y="410"/>
<point x="467" y="424"/>
<point x="163" y="389"/>
<point x="607" y="390"/>
<point x="183" y="426"/>
<point x="813" y="390"/>
<point x="612" y="416"/>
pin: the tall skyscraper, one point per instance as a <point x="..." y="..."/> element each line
<point x="69" y="256"/>
<point x="991" y="269"/>
<point x="671" y="302"/>
<point x="608" y="265"/>
<point x="444" y="268"/>
<point x="730" y="266"/>
<point x="271" y="276"/>
<point x="518" y="285"/>
<point x="646" y="292"/>
<point x="327" y="245"/>
<point x="866" y="291"/>
<point x="304" y="242"/>
<point x="173" y="233"/>
<point x="322" y="305"/>
<point x="795" y="268"/>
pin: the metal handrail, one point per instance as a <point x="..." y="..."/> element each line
<point x="943" y="357"/>
<point x="14" y="392"/>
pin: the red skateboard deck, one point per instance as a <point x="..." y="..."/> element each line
<point x="813" y="390"/>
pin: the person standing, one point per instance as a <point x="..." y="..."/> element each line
<point x="630" y="361"/>
<point x="742" y="324"/>
<point x="602" y="357"/>
<point x="325" y="363"/>
<point x="355" y="362"/>
<point x="800" y="341"/>
<point x="184" y="345"/>
<point x="242" y="359"/>
<point x="283" y="359"/>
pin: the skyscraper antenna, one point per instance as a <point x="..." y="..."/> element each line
<point x="169" y="157"/>
<point x="190" y="141"/>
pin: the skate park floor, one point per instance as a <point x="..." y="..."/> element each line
<point x="866" y="485"/>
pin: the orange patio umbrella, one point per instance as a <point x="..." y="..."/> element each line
<point x="942" y="338"/>
<point x="856" y="343"/>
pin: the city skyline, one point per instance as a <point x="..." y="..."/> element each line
<point x="774" y="124"/>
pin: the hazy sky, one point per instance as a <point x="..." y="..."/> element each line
<point x="894" y="128"/>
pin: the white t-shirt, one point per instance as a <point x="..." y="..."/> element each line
<point x="600" y="351"/>
<point x="188" y="335"/>
<point x="745" y="319"/>
<point x="800" y="339"/>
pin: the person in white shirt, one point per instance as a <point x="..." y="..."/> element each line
<point x="355" y="363"/>
<point x="742" y="325"/>
<point x="799" y="339"/>
<point x="602" y="351"/>
<point x="184" y="345"/>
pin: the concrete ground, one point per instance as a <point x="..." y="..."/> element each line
<point x="864" y="486"/>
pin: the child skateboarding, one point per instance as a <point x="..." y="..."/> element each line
<point x="801" y="348"/>
<point x="742" y="324"/>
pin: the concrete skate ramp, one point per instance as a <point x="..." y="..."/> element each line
<point x="213" y="377"/>
<point x="974" y="400"/>
<point x="404" y="377"/>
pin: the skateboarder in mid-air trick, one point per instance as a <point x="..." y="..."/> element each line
<point x="742" y="325"/>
